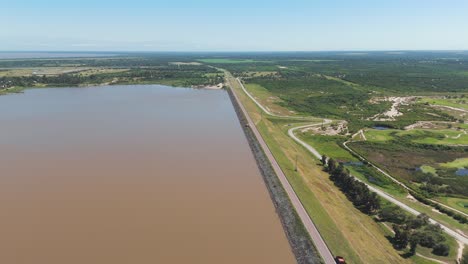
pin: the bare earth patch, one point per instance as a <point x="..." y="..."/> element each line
<point x="334" y="129"/>
<point x="393" y="112"/>
<point x="185" y="63"/>
<point x="210" y="87"/>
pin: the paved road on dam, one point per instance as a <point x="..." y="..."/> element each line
<point x="320" y="244"/>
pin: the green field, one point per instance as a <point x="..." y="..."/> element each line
<point x="458" y="163"/>
<point x="423" y="136"/>
<point x="457" y="203"/>
<point x="328" y="145"/>
<point x="268" y="100"/>
<point x="461" y="103"/>
<point x="228" y="61"/>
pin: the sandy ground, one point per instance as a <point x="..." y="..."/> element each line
<point x="393" y="111"/>
<point x="185" y="63"/>
<point x="410" y="197"/>
<point x="339" y="128"/>
<point x="211" y="87"/>
<point x="461" y="247"/>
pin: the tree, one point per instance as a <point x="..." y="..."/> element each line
<point x="414" y="241"/>
<point x="430" y="238"/>
<point x="331" y="165"/>
<point x="392" y="214"/>
<point x="441" y="249"/>
<point x="373" y="203"/>
<point x="401" y="238"/>
<point x="419" y="221"/>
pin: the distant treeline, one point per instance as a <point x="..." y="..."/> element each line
<point x="185" y="75"/>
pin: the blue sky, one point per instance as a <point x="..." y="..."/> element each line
<point x="241" y="25"/>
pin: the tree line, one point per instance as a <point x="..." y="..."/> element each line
<point x="357" y="192"/>
<point x="408" y="230"/>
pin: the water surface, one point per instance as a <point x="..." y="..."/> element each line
<point x="131" y="174"/>
<point x="48" y="55"/>
<point x="462" y="172"/>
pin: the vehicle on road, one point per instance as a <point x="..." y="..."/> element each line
<point x="340" y="260"/>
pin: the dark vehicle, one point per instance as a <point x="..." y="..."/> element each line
<point x="340" y="260"/>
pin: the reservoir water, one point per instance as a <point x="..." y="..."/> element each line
<point x="131" y="174"/>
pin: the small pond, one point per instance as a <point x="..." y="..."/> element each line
<point x="462" y="172"/>
<point x="381" y="127"/>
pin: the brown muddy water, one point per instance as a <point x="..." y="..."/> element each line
<point x="131" y="174"/>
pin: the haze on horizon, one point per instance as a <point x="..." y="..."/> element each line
<point x="256" y="25"/>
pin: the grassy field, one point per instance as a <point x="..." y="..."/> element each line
<point x="457" y="203"/>
<point x="271" y="102"/>
<point x="328" y="145"/>
<point x="461" y="103"/>
<point x="93" y="71"/>
<point x="423" y="136"/>
<point x="350" y="236"/>
<point x="229" y="61"/>
<point x="458" y="163"/>
<point x="16" y="72"/>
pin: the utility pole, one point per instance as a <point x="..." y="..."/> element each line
<point x="295" y="166"/>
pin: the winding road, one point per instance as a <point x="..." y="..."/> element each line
<point x="459" y="237"/>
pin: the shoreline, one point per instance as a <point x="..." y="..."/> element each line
<point x="20" y="89"/>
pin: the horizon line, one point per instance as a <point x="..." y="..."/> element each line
<point x="234" y="51"/>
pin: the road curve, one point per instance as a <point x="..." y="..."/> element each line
<point x="463" y="239"/>
<point x="317" y="239"/>
<point x="305" y="145"/>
